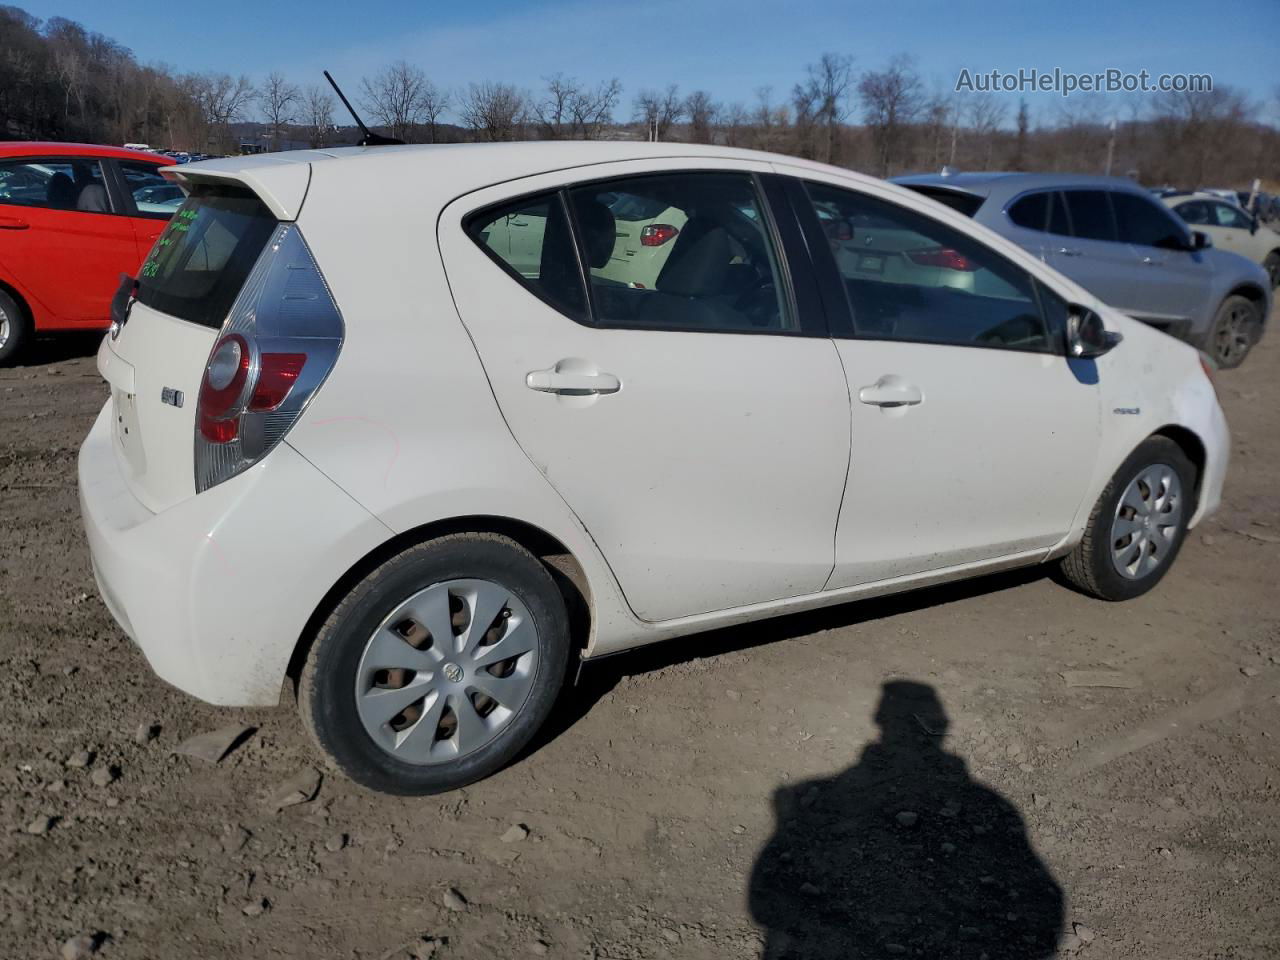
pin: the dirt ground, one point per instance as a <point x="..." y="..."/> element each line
<point x="785" y="788"/>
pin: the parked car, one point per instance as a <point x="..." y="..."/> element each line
<point x="1122" y="244"/>
<point x="1231" y="228"/>
<point x="351" y="443"/>
<point x="73" y="218"/>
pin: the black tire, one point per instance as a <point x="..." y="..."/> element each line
<point x="1233" y="332"/>
<point x="18" y="327"/>
<point x="326" y="691"/>
<point x="1090" y="566"/>
<point x="1272" y="265"/>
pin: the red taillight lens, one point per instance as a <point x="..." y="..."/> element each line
<point x="220" y="391"/>
<point x="943" y="257"/>
<point x="656" y="234"/>
<point x="277" y="373"/>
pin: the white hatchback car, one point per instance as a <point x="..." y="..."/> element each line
<point x="351" y="446"/>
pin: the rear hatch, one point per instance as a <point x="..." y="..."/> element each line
<point x="155" y="360"/>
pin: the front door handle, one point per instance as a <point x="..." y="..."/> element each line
<point x="891" y="391"/>
<point x="1152" y="262"/>
<point x="13" y="223"/>
<point x="1069" y="251"/>
<point x="572" y="383"/>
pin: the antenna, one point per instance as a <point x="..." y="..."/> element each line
<point x="370" y="139"/>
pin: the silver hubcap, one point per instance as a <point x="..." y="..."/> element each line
<point x="1234" y="334"/>
<point x="447" y="671"/>
<point x="4" y="327"/>
<point x="1147" y="521"/>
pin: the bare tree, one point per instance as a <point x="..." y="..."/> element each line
<point x="317" y="113"/>
<point x="659" y="110"/>
<point x="395" y="98"/>
<point x="1020" y="158"/>
<point x="554" y="111"/>
<point x="223" y="100"/>
<point x="279" y="100"/>
<point x="592" y="109"/>
<point x="702" y="113"/>
<point x="891" y="102"/>
<point x="986" y="114"/>
<point x="433" y="102"/>
<point x="822" y="104"/>
<point x="493" y="111"/>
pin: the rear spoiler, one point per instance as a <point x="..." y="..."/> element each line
<point x="280" y="183"/>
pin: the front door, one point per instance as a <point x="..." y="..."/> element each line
<point x="61" y="237"/>
<point x="972" y="436"/>
<point x="698" y="425"/>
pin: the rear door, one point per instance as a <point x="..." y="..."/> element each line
<point x="698" y="426"/>
<point x="61" y="238"/>
<point x="186" y="288"/>
<point x="149" y="198"/>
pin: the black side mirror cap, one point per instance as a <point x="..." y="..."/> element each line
<point x="1200" y="240"/>
<point x="1086" y="335"/>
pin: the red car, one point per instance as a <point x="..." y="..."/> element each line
<point x="72" y="219"/>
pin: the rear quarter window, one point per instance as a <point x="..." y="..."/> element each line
<point x="198" y="265"/>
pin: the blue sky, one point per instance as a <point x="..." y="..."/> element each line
<point x="727" y="47"/>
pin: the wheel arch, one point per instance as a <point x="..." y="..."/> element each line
<point x="16" y="296"/>
<point x="564" y="567"/>
<point x="1255" y="295"/>
<point x="1191" y="444"/>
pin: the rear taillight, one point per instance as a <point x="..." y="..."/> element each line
<point x="943" y="257"/>
<point x="656" y="234"/>
<point x="276" y="348"/>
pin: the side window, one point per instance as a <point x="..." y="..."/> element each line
<point x="1058" y="222"/>
<point x="688" y="251"/>
<point x="63" y="184"/>
<point x="909" y="277"/>
<point x="1031" y="211"/>
<point x="1196" y="213"/>
<point x="1146" y="223"/>
<point x="153" y="195"/>
<point x="1090" y="214"/>
<point x="531" y="240"/>
<point x="1225" y="215"/>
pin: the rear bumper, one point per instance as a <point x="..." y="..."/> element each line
<point x="217" y="589"/>
<point x="1217" y="443"/>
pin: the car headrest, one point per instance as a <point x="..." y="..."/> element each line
<point x="61" y="192"/>
<point x="698" y="267"/>
<point x="93" y="199"/>
<point x="599" y="232"/>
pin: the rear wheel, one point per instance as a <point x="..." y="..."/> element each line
<point x="438" y="667"/>
<point x="14" y="327"/>
<point x="1138" y="524"/>
<point x="1233" y="332"/>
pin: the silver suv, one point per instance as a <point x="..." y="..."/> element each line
<point x="1110" y="236"/>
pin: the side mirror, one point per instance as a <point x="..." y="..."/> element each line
<point x="1253" y="224"/>
<point x="1087" y="336"/>
<point x="1200" y="240"/>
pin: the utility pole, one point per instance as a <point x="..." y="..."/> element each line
<point x="1111" y="146"/>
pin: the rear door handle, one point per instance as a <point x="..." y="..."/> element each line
<point x="13" y="223"/>
<point x="1069" y="251"/>
<point x="571" y="383"/>
<point x="1152" y="262"/>
<point x="891" y="391"/>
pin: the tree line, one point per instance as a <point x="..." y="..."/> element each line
<point x="60" y="81"/>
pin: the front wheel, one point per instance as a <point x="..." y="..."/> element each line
<point x="14" y="327"/>
<point x="438" y="667"/>
<point x="1138" y="524"/>
<point x="1233" y="332"/>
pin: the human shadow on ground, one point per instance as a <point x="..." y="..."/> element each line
<point x="903" y="854"/>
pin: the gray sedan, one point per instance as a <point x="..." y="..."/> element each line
<point x="1114" y="239"/>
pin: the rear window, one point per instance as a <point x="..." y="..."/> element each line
<point x="197" y="267"/>
<point x="965" y="203"/>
